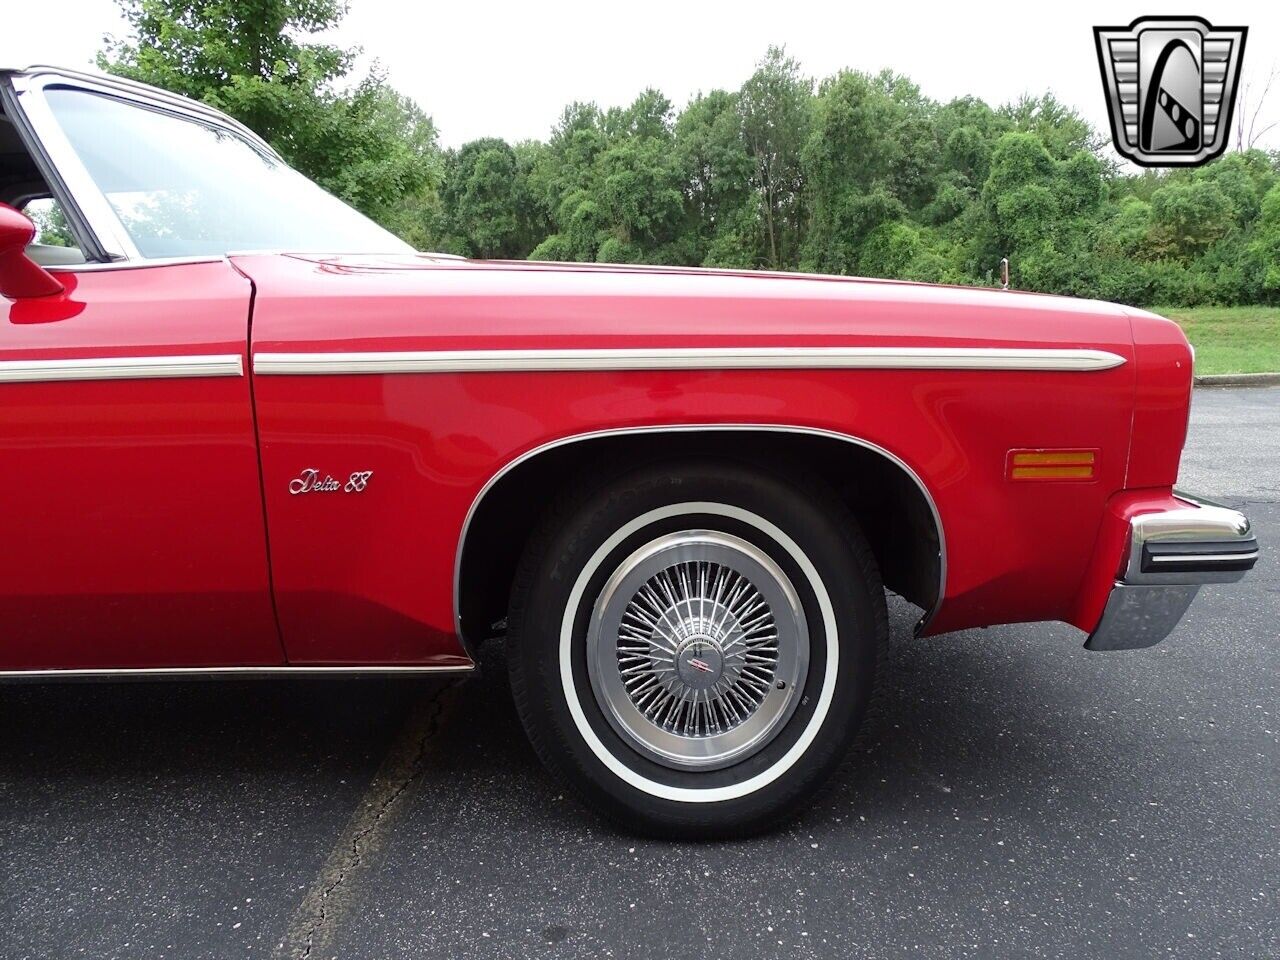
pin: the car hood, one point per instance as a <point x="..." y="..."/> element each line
<point x="436" y="301"/>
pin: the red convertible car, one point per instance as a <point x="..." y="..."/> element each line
<point x="249" y="431"/>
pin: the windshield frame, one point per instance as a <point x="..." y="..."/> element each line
<point x="108" y="229"/>
<point x="109" y="232"/>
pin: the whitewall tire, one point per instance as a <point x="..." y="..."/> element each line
<point x="693" y="648"/>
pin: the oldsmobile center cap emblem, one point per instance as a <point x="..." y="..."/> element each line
<point x="699" y="663"/>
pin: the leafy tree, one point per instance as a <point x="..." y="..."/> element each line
<point x="613" y="185"/>
<point x="720" y="206"/>
<point x="52" y="229"/>
<point x="775" y="105"/>
<point x="892" y="250"/>
<point x="1125" y="235"/>
<point x="1187" y="218"/>
<point x="867" y="162"/>
<point x="1060" y="128"/>
<point x="1267" y="245"/>
<point x="1244" y="178"/>
<point x="375" y="149"/>
<point x="257" y="61"/>
<point x="862" y="175"/>
<point x="641" y="200"/>
<point x="486" y="194"/>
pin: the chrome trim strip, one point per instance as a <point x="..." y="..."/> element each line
<point x="680" y="358"/>
<point x="141" y="93"/>
<point x="124" y="673"/>
<point x="97" y="209"/>
<point x="121" y="368"/>
<point x="1204" y="557"/>
<point x="696" y="428"/>
<point x="134" y="264"/>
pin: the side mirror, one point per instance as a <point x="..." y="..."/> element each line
<point x="21" y="277"/>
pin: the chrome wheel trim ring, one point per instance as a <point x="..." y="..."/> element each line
<point x="697" y="650"/>
<point x="824" y="694"/>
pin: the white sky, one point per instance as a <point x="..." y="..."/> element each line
<point x="507" y="69"/>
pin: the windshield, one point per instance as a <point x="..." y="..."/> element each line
<point x="183" y="188"/>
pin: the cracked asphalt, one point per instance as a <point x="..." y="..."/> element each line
<point x="1021" y="797"/>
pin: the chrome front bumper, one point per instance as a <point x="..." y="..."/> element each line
<point x="1169" y="555"/>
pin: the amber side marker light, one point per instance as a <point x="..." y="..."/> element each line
<point x="1052" y="464"/>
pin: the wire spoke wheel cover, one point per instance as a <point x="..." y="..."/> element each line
<point x="697" y="649"/>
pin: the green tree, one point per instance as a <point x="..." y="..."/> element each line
<point x="1043" y="213"/>
<point x="1187" y="217"/>
<point x="721" y="223"/>
<point x="613" y="185"/>
<point x="486" y="194"/>
<point x="1267" y="245"/>
<point x="864" y="174"/>
<point x="775" y="105"/>
<point x="258" y="61"/>
<point x="52" y="229"/>
<point x="1060" y="128"/>
<point x="869" y="160"/>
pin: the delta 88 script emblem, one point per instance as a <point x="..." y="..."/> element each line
<point x="312" y="480"/>
<point x="1171" y="86"/>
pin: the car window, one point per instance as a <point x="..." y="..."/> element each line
<point x="50" y="223"/>
<point x="184" y="188"/>
<point x="53" y="244"/>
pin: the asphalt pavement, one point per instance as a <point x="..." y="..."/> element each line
<point x="1021" y="797"/>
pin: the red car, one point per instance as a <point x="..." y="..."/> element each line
<point x="249" y="431"/>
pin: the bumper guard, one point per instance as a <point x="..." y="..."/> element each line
<point x="1169" y="555"/>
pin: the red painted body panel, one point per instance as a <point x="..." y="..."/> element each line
<point x="369" y="577"/>
<point x="132" y="521"/>
<point x="139" y="504"/>
<point x="1163" y="400"/>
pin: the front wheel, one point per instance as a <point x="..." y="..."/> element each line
<point x="692" y="649"/>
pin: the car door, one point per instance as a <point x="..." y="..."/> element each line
<point x="149" y="468"/>
<point x="131" y="525"/>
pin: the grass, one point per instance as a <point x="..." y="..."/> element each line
<point x="1231" y="339"/>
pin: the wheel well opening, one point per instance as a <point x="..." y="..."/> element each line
<point x="893" y="511"/>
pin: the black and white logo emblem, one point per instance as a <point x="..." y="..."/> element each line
<point x="1171" y="86"/>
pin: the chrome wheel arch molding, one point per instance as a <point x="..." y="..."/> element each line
<point x="685" y="428"/>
